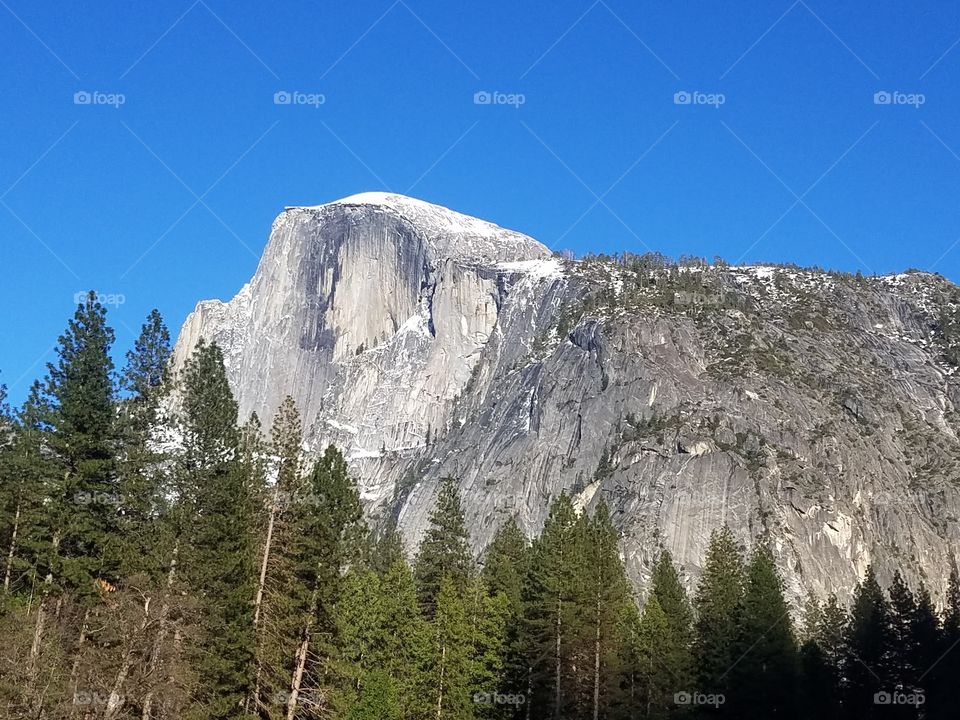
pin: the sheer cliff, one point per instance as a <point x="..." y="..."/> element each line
<point x="815" y="409"/>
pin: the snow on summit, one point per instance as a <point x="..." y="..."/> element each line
<point x="451" y="233"/>
<point x="430" y="344"/>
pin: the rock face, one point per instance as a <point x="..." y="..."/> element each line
<point x="813" y="409"/>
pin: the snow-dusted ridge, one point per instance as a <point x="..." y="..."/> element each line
<point x="450" y="233"/>
<point x="538" y="269"/>
<point x="428" y="344"/>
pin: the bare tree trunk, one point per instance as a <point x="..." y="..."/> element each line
<point x="161" y="631"/>
<point x="115" y="701"/>
<point x="267" y="546"/>
<point x="13" y="546"/>
<point x="557" y="659"/>
<point x="297" y="678"/>
<point x="266" y="558"/>
<point x="75" y="670"/>
<point x="298" y="675"/>
<point x="37" y="636"/>
<point x="443" y="666"/>
<point x="35" y="652"/>
<point x="596" y="655"/>
<point x="42" y="615"/>
<point x="529" y="698"/>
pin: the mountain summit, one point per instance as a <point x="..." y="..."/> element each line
<point x="813" y="410"/>
<point x="450" y="234"/>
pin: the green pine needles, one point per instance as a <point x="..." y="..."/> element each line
<point x="165" y="558"/>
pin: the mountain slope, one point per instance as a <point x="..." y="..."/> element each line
<point x="812" y="408"/>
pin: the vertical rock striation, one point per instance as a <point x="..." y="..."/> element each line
<point x="812" y="409"/>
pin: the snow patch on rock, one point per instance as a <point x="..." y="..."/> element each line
<point x="450" y="233"/>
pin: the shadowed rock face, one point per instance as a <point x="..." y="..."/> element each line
<point x="812" y="409"/>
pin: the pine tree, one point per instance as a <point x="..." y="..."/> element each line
<point x="868" y="646"/>
<point x="832" y="633"/>
<point x="448" y="668"/>
<point x="718" y="605"/>
<point x="445" y="550"/>
<point x="656" y="679"/>
<point x="632" y="681"/>
<point x="9" y="516"/>
<point x="80" y="399"/>
<point x="816" y="680"/>
<point x="405" y="636"/>
<point x="551" y="619"/>
<point x="673" y="601"/>
<point x="488" y="617"/>
<point x="378" y="699"/>
<point x="209" y="415"/>
<point x="252" y="452"/>
<point x="506" y="563"/>
<point x="926" y="639"/>
<point x="277" y="620"/>
<point x="332" y="519"/>
<point x="146" y="533"/>
<point x="358" y="616"/>
<point x="147" y="370"/>
<point x="764" y="673"/>
<point x="11" y="496"/>
<point x="810" y="619"/>
<point x="381" y="643"/>
<point x="940" y="676"/>
<point x="821" y="659"/>
<point x="387" y="548"/>
<point x="656" y="655"/>
<point x="143" y="486"/>
<point x="156" y="510"/>
<point x="79" y="440"/>
<point x="219" y="554"/>
<point x="28" y="479"/>
<point x="32" y="551"/>
<point x="329" y="533"/>
<point x="903" y="654"/>
<point x="605" y="593"/>
<point x="152" y="578"/>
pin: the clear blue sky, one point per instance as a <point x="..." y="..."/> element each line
<point x="168" y="198"/>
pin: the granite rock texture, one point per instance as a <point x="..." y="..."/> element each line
<point x="812" y="409"/>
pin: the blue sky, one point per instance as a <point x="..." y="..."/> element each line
<point x="782" y="154"/>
